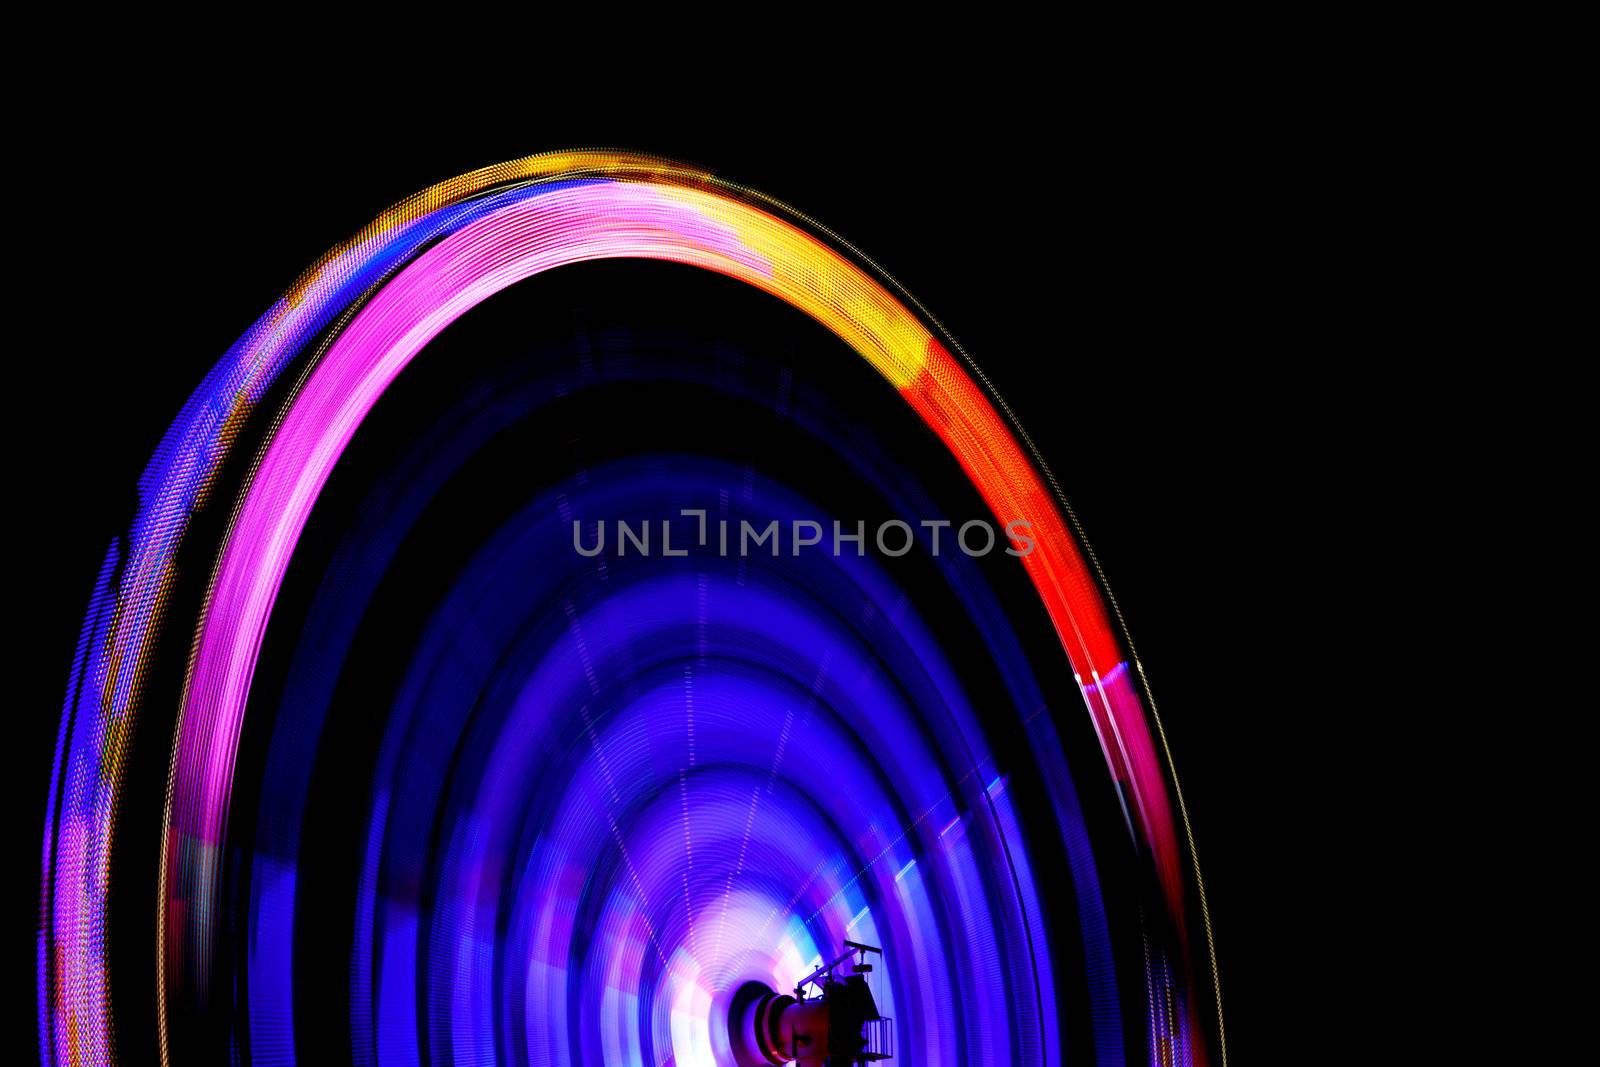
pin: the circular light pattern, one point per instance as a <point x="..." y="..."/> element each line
<point x="623" y="833"/>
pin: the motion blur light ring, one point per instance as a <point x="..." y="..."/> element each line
<point x="347" y="329"/>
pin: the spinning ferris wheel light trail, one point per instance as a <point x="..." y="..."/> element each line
<point x="538" y="805"/>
